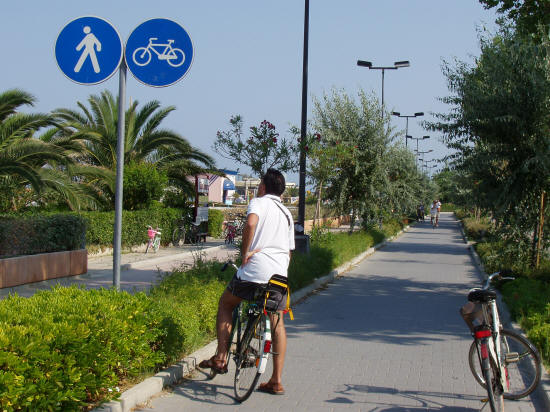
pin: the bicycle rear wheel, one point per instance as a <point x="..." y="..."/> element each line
<point x="522" y="363"/>
<point x="248" y="358"/>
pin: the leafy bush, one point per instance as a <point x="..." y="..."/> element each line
<point x="476" y="229"/>
<point x="143" y="183"/>
<point x="215" y="223"/>
<point x="529" y="303"/>
<point x="62" y="348"/>
<point x="41" y="234"/>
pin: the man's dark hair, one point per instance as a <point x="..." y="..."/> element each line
<point x="274" y="182"/>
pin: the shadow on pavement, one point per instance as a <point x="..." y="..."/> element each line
<point x="427" y="400"/>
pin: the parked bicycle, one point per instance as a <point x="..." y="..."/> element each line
<point x="230" y="232"/>
<point x="505" y="363"/>
<point x="178" y="236"/>
<point x="250" y="342"/>
<point x="154" y="238"/>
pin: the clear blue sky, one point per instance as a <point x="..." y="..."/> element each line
<point x="248" y="56"/>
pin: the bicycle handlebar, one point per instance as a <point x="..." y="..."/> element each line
<point x="226" y="264"/>
<point x="498" y="275"/>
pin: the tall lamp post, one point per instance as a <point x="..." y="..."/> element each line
<point x="396" y="65"/>
<point x="302" y="243"/>
<point x="417" y="114"/>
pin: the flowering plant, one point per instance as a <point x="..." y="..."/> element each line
<point x="261" y="150"/>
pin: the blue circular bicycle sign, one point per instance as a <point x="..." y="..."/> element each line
<point x="88" y="50"/>
<point x="159" y="52"/>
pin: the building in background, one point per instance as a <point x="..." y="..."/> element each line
<point x="222" y="188"/>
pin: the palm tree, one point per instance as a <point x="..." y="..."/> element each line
<point x="26" y="162"/>
<point x="144" y="140"/>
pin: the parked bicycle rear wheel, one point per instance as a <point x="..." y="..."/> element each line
<point x="248" y="358"/>
<point x="522" y="363"/>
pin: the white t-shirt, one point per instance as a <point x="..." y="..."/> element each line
<point x="274" y="237"/>
<point x="433" y="210"/>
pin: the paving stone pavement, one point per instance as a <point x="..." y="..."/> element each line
<point x="387" y="336"/>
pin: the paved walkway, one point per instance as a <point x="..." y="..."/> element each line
<point x="385" y="337"/>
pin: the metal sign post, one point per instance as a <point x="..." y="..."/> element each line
<point x="117" y="239"/>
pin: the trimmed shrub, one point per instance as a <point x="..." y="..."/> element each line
<point x="41" y="234"/>
<point x="215" y="223"/>
<point x="143" y="184"/>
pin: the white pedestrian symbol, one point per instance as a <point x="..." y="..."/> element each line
<point x="90" y="43"/>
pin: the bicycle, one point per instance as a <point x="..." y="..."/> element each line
<point x="178" y="236"/>
<point x="505" y="359"/>
<point x="173" y="56"/>
<point x="230" y="232"/>
<point x="250" y="341"/>
<point x="154" y="238"/>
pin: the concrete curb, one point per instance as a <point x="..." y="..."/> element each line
<point x="507" y="320"/>
<point x="143" y="391"/>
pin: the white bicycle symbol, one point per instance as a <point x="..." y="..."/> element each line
<point x="174" y="56"/>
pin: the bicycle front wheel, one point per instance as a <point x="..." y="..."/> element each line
<point x="521" y="361"/>
<point x="249" y="357"/>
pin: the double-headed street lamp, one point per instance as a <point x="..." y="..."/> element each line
<point x="417" y="114"/>
<point x="396" y="65"/>
<point x="418" y="153"/>
<point x="417" y="139"/>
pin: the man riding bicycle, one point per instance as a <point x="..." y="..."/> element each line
<point x="268" y="238"/>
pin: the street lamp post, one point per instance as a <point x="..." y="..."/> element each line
<point x="418" y="153"/>
<point x="396" y="65"/>
<point x="417" y="114"/>
<point x="302" y="241"/>
<point x="417" y="139"/>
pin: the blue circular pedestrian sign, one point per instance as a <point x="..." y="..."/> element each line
<point x="159" y="52"/>
<point x="88" y="50"/>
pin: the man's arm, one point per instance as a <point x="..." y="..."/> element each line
<point x="248" y="235"/>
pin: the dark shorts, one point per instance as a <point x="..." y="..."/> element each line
<point x="249" y="291"/>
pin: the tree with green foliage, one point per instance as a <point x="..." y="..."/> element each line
<point x="500" y="129"/>
<point x="530" y="16"/>
<point x="144" y="141"/>
<point x="143" y="184"/>
<point x="357" y="176"/>
<point x="264" y="148"/>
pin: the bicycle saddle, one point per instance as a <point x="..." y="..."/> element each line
<point x="481" y="295"/>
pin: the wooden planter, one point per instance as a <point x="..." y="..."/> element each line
<point x="35" y="268"/>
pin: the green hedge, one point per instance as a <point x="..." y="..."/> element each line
<point x="30" y="235"/>
<point x="63" y="349"/>
<point x="215" y="223"/>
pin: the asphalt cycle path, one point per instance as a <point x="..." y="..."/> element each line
<point x="387" y="336"/>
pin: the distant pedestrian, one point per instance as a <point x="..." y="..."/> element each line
<point x="433" y="213"/>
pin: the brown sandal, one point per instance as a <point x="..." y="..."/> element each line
<point x="272" y="388"/>
<point x="217" y="365"/>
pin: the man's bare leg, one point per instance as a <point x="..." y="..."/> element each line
<point x="279" y="347"/>
<point x="224" y="320"/>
